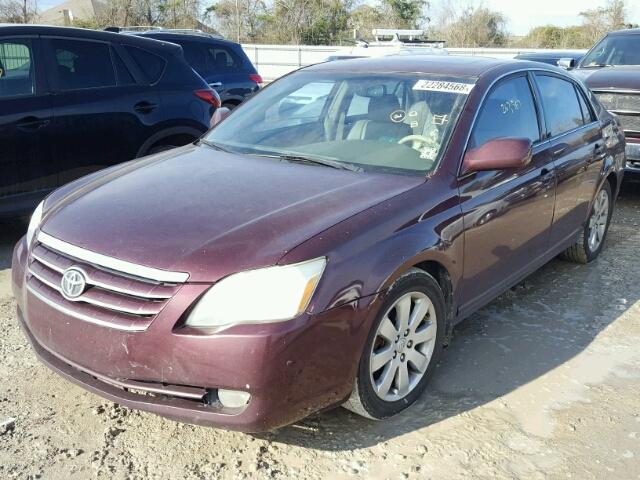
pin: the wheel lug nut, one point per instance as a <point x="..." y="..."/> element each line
<point x="402" y="357"/>
<point x="409" y="343"/>
<point x="406" y="332"/>
<point x="395" y="354"/>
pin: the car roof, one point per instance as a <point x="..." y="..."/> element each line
<point x="455" y="65"/>
<point x="175" y="37"/>
<point x="551" y="54"/>
<point x="628" y="31"/>
<point x="19" y="29"/>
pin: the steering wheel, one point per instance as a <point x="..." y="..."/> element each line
<point x="418" y="141"/>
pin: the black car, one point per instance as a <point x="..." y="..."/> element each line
<point x="223" y="64"/>
<point x="552" y="57"/>
<point x="73" y="101"/>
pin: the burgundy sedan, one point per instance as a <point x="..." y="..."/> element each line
<point x="317" y="246"/>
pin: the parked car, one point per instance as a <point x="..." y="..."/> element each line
<point x="611" y="69"/>
<point x="552" y="57"/>
<point x="284" y="265"/>
<point x="74" y="101"/>
<point x="222" y="63"/>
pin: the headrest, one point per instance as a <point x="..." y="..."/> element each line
<point x="380" y="108"/>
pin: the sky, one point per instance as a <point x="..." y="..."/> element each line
<point x="522" y="14"/>
<point x="525" y="14"/>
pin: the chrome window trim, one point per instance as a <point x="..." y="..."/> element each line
<point x="86" y="318"/>
<point x="117" y="265"/>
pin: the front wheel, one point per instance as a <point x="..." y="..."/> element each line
<point x="591" y="239"/>
<point x="402" y="349"/>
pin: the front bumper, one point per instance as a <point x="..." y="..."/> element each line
<point x="291" y="369"/>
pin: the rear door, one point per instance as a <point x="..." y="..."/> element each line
<point x="25" y="121"/>
<point x="96" y="124"/>
<point x="578" y="152"/>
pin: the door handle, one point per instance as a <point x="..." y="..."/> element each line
<point x="31" y="124"/>
<point x="559" y="151"/>
<point x="145" y="107"/>
<point x="547" y="174"/>
<point x="216" y="85"/>
<point x="599" y="150"/>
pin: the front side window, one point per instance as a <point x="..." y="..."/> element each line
<point x="395" y="123"/>
<point x="560" y="102"/>
<point x="508" y="112"/>
<point x="16" y="68"/>
<point x="79" y="64"/>
<point x="614" y="50"/>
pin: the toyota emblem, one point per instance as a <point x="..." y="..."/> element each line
<point x="73" y="283"/>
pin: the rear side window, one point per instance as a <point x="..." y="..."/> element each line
<point x="561" y="106"/>
<point x="206" y="58"/>
<point x="152" y="65"/>
<point x="16" y="68"/>
<point x="124" y="75"/>
<point x="79" y="64"/>
<point x="223" y="59"/>
<point x="508" y="112"/>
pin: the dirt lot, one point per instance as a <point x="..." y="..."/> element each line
<point x="542" y="383"/>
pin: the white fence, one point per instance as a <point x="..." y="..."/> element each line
<point x="273" y="61"/>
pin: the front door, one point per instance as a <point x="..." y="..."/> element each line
<point x="506" y="213"/>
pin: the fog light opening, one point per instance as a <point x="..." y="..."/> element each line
<point x="228" y="398"/>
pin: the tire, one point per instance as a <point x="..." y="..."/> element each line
<point x="368" y="397"/>
<point x="230" y="105"/>
<point x="586" y="249"/>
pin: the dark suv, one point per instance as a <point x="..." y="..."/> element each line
<point x="73" y="101"/>
<point x="223" y="64"/>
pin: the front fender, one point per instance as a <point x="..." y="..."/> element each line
<point x="369" y="251"/>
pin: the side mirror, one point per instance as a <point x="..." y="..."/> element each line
<point x="219" y="115"/>
<point x="567" y="63"/>
<point x="498" y="154"/>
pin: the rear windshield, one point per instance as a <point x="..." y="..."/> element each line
<point x="210" y="58"/>
<point x="152" y="65"/>
<point x="395" y="123"/>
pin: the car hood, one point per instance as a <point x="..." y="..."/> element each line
<point x="622" y="77"/>
<point x="210" y="213"/>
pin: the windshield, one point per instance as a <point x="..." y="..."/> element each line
<point x="614" y="50"/>
<point x="393" y="123"/>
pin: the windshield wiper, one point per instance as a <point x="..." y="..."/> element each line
<point x="213" y="145"/>
<point x="326" y="162"/>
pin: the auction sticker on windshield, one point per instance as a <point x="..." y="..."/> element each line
<point x="440" y="86"/>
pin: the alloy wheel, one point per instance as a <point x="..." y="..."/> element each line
<point x="598" y="220"/>
<point x="403" y="346"/>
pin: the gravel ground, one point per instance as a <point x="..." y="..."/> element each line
<point x="542" y="383"/>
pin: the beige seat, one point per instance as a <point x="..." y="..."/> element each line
<point x="378" y="125"/>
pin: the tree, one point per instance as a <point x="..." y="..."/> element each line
<point x="18" y="11"/>
<point x="597" y="22"/>
<point x="464" y="24"/>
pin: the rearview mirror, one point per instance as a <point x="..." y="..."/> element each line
<point x="498" y="154"/>
<point x="567" y="63"/>
<point x="219" y="115"/>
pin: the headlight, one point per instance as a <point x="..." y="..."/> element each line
<point x="266" y="295"/>
<point x="34" y="223"/>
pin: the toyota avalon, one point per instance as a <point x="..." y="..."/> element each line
<point x="317" y="246"/>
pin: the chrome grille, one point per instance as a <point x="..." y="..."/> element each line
<point x="630" y="123"/>
<point x="112" y="298"/>
<point x="626" y="105"/>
